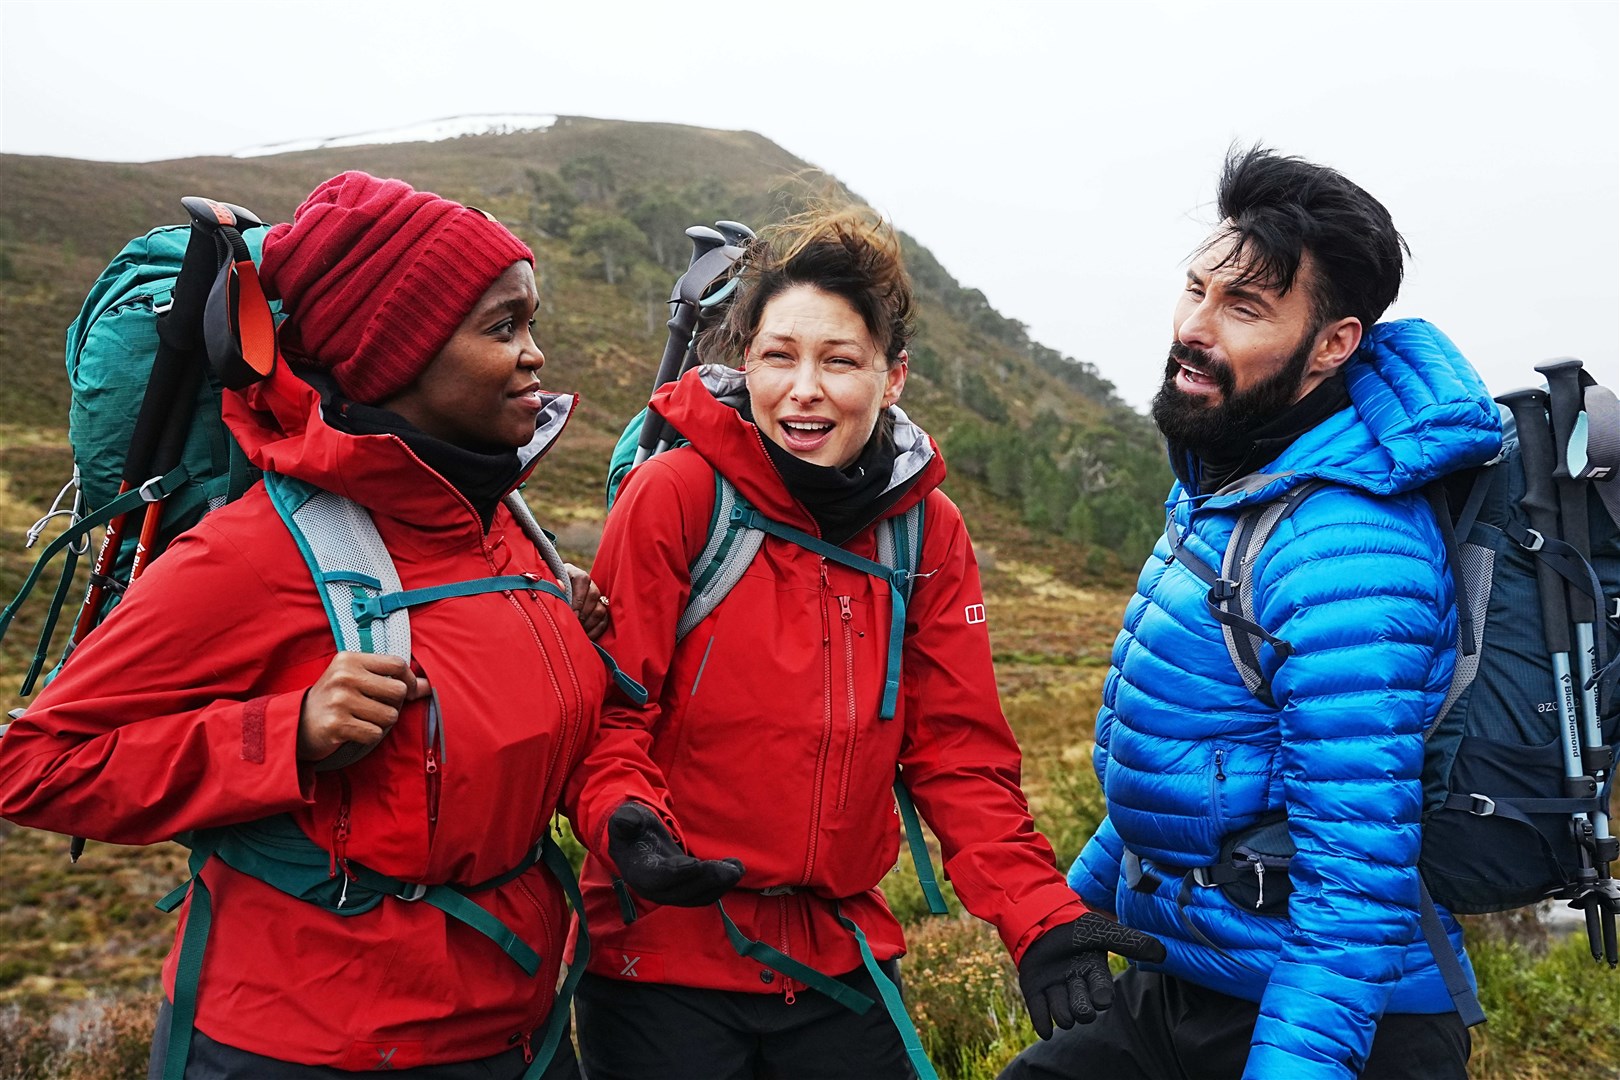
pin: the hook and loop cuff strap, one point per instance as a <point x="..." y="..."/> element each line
<point x="749" y="518"/>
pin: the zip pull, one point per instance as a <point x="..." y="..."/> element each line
<point x="1220" y="761"/>
<point x="528" y="1050"/>
<point x="432" y="760"/>
<point x="843" y="608"/>
<point x="787" y="991"/>
<point x="1260" y="876"/>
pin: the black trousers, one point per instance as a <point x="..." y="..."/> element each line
<point x="1164" y="1028"/>
<point x="210" y="1060"/>
<point x="654" y="1031"/>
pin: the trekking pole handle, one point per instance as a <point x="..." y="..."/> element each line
<point x="1529" y="408"/>
<point x="1566" y="402"/>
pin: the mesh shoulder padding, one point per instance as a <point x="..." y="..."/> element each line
<point x="1237" y="564"/>
<point x="1476" y="568"/>
<point x="339" y="542"/>
<point x="723" y="560"/>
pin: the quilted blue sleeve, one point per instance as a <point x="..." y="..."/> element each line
<point x="1095" y="873"/>
<point x="1359" y="587"/>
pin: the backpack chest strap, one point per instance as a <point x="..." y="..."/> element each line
<point x="746" y="517"/>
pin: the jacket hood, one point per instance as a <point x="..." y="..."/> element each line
<point x="1418" y="411"/>
<point x="705" y="406"/>
<point x="279" y="424"/>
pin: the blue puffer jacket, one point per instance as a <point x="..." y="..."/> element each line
<point x="1357" y="581"/>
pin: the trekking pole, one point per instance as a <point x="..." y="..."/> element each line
<point x="682" y="321"/>
<point x="1529" y="409"/>
<point x="1567" y="411"/>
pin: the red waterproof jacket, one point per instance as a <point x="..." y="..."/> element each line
<point x="180" y="712"/>
<point x="761" y="736"/>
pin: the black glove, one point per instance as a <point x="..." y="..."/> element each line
<point x="1064" y="976"/>
<point x="653" y="865"/>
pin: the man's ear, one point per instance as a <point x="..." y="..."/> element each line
<point x="1336" y="343"/>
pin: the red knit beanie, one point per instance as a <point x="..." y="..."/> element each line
<point x="375" y="276"/>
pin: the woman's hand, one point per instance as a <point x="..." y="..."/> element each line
<point x="589" y="603"/>
<point x="356" y="700"/>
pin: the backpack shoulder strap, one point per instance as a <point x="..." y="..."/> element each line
<point x="728" y="549"/>
<point x="348" y="562"/>
<point x="1231" y="591"/>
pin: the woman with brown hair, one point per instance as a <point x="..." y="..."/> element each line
<point x="768" y="731"/>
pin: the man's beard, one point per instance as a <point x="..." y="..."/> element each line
<point x="1187" y="421"/>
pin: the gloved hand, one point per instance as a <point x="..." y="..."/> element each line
<point x="655" y="867"/>
<point x="1064" y="976"/>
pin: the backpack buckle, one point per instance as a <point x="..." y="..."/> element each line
<point x="1200" y="877"/>
<point x="1484" y="806"/>
<point x="1223" y="590"/>
<point x="1533" y="541"/>
<point x="411" y="893"/>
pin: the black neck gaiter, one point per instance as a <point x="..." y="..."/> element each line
<point x="483" y="477"/>
<point x="843" y="501"/>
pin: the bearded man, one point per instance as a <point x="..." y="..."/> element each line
<point x="1279" y="375"/>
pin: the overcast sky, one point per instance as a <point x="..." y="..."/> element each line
<point x="1059" y="156"/>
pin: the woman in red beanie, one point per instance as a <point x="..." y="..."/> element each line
<point x="212" y="694"/>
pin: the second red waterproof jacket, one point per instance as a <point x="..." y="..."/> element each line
<point x="762" y="738"/>
<point x="181" y="712"/>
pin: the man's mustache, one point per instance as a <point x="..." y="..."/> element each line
<point x="1220" y="372"/>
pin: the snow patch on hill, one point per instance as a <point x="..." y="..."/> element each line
<point x="453" y="127"/>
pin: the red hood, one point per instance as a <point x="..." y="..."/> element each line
<point x="279" y="425"/>
<point x="702" y="406"/>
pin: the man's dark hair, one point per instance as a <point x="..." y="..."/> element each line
<point x="1277" y="208"/>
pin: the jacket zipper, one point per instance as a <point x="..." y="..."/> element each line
<point x="339" y="862"/>
<point x="434" y="761"/>
<point x="849" y="700"/>
<point x="788" y="996"/>
<point x="826" y="731"/>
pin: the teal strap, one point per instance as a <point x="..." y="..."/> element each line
<point x="920" y="859"/>
<point x="893" y="1003"/>
<point x="158" y="489"/>
<point x="627" y="686"/>
<point x="453" y="903"/>
<point x="557" y="1022"/>
<point x="746" y="517"/>
<point x="369" y="609"/>
<point x="188" y="966"/>
<point x="52" y="614"/>
<point x="758" y="951"/>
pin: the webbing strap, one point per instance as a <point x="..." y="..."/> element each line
<point x="447" y="898"/>
<point x="893" y="1003"/>
<point x="780" y="962"/>
<point x="368" y="609"/>
<point x="749" y="518"/>
<point x="52" y="614"/>
<point x="557" y="1022"/>
<point x="1516" y="809"/>
<point x="627" y="686"/>
<point x="920" y="859"/>
<point x="187" y="972"/>
<point x="450" y="900"/>
<point x="1463" y="998"/>
<point x="152" y="490"/>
